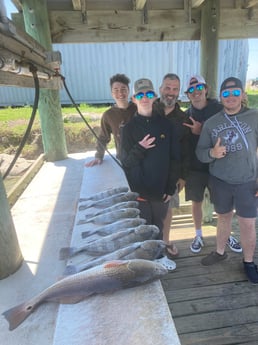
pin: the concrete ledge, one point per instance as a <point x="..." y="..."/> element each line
<point x="132" y="316"/>
<point x="24" y="181"/>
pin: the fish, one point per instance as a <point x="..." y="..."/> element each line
<point x="112" y="200"/>
<point x="112" y="242"/>
<point x="106" y="193"/>
<point x="117" y="226"/>
<point x="147" y="250"/>
<point x="108" y="277"/>
<point x="125" y="204"/>
<point x="111" y="217"/>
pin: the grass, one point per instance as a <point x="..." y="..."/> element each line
<point x="13" y="123"/>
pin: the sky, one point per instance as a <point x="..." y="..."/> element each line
<point x="252" y="71"/>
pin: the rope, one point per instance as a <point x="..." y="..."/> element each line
<point x="33" y="114"/>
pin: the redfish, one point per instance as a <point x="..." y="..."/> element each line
<point x="119" y="206"/>
<point x="147" y="250"/>
<point x="106" y="193"/>
<point x="110" y="243"/>
<point x="112" y="200"/>
<point x="117" y="226"/>
<point x="109" y="277"/>
<point x="110" y="217"/>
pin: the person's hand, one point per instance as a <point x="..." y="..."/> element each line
<point x="95" y="161"/>
<point x="218" y="151"/>
<point x="147" y="142"/>
<point x="180" y="185"/>
<point x="196" y="126"/>
<point x="166" y="198"/>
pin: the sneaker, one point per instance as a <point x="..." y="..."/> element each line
<point x="213" y="258"/>
<point x="234" y="245"/>
<point x="197" y="244"/>
<point x="251" y="272"/>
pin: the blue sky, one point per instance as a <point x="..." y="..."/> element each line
<point x="252" y="71"/>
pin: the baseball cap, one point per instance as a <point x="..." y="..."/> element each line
<point x="230" y="83"/>
<point x="143" y="84"/>
<point x="195" y="79"/>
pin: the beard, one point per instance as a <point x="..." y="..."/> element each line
<point x="168" y="101"/>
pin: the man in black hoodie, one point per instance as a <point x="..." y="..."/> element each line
<point x="150" y="156"/>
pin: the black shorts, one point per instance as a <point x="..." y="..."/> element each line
<point x="227" y="197"/>
<point x="154" y="212"/>
<point x="195" y="185"/>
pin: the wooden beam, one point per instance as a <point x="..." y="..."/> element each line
<point x="210" y="44"/>
<point x="77" y="5"/>
<point x="188" y="10"/>
<point x="126" y="26"/>
<point x="250" y="3"/>
<point x="139" y="4"/>
<point x="197" y="3"/>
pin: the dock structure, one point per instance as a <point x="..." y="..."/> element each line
<point x="191" y="305"/>
<point x="46" y="217"/>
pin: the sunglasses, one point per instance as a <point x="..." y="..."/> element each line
<point x="227" y="93"/>
<point x="198" y="87"/>
<point x="148" y="94"/>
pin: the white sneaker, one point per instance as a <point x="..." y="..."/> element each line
<point x="170" y="265"/>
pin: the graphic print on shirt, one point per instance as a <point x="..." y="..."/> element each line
<point x="233" y="133"/>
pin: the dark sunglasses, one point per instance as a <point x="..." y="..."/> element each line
<point x="148" y="94"/>
<point x="198" y="87"/>
<point x="227" y="93"/>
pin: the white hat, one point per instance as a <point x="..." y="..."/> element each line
<point x="195" y="79"/>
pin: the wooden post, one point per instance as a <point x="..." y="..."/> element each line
<point x="210" y="17"/>
<point x="53" y="135"/>
<point x="10" y="253"/>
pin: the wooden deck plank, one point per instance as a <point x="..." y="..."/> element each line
<point x="213" y="305"/>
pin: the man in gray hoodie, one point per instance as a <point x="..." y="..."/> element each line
<point x="229" y="142"/>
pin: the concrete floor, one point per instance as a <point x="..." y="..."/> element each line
<point x="45" y="220"/>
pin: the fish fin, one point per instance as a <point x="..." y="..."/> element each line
<point x="16" y="315"/>
<point x="84" y="234"/>
<point x="81" y="221"/>
<point x="87" y="205"/>
<point x="115" y="263"/>
<point x="66" y="252"/>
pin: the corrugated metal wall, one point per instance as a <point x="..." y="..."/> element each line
<point x="88" y="67"/>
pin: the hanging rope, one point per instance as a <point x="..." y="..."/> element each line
<point x="33" y="114"/>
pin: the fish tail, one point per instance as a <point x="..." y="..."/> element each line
<point x="84" y="234"/>
<point x="66" y="252"/>
<point x="86" y="205"/>
<point x="70" y="269"/>
<point x="16" y="315"/>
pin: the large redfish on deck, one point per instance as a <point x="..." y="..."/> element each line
<point x="111" y="276"/>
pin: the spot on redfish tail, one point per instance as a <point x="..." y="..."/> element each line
<point x="16" y="315"/>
